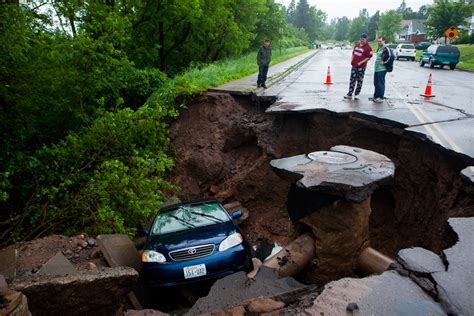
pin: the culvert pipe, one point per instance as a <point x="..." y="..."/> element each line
<point x="372" y="261"/>
<point x="294" y="257"/>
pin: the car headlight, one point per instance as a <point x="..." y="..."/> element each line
<point x="152" y="256"/>
<point x="231" y="241"/>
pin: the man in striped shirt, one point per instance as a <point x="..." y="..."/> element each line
<point x="361" y="54"/>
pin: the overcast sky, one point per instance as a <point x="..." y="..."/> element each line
<point x="351" y="8"/>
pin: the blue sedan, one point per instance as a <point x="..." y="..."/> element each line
<point x="192" y="242"/>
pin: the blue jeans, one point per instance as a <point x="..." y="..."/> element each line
<point x="262" y="75"/>
<point x="379" y="83"/>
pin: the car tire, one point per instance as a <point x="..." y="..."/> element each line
<point x="422" y="63"/>
<point x="452" y="66"/>
<point x="413" y="59"/>
<point x="431" y="63"/>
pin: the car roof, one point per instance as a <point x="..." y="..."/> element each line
<point x="193" y="202"/>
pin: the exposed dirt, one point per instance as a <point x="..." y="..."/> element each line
<point x="224" y="145"/>
<point x="33" y="254"/>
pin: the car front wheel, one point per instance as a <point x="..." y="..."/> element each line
<point x="431" y="63"/>
<point x="452" y="66"/>
<point x="422" y="63"/>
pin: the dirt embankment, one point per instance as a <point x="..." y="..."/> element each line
<point x="224" y="145"/>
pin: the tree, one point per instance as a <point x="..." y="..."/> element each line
<point x="342" y="28"/>
<point x="446" y="13"/>
<point x="309" y="18"/>
<point x="290" y="12"/>
<point x="270" y="23"/>
<point x="424" y="11"/>
<point x="389" y="25"/>
<point x="373" y="25"/>
<point x="359" y="25"/>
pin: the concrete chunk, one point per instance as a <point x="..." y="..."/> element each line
<point x="8" y="262"/>
<point x="420" y="260"/>
<point x="119" y="251"/>
<point x="344" y="171"/>
<point x="98" y="292"/>
<point x="58" y="265"/>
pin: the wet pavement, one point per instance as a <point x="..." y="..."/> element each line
<point x="445" y="119"/>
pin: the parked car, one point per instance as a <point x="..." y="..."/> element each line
<point x="406" y="51"/>
<point x="392" y="46"/>
<point x="441" y="55"/>
<point x="422" y="45"/>
<point x="192" y="242"/>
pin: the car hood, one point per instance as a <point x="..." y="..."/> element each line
<point x="212" y="234"/>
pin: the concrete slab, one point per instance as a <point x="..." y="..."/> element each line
<point x="420" y="260"/>
<point x="119" y="251"/>
<point x="349" y="172"/>
<point x="237" y="288"/>
<point x="58" y="265"/>
<point x="456" y="285"/>
<point x="248" y="85"/>
<point x="8" y="262"/>
<point x="93" y="292"/>
<point x="457" y="135"/>
<point x="385" y="294"/>
<point x="468" y="174"/>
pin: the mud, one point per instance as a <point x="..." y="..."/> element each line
<point x="224" y="146"/>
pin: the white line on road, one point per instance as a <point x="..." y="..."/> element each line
<point x="424" y="118"/>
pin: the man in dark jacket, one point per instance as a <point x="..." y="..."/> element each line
<point x="264" y="56"/>
<point x="361" y="53"/>
<point x="381" y="63"/>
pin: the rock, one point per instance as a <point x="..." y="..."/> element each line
<point x="96" y="253"/>
<point x="13" y="303"/>
<point x="352" y="307"/>
<point x="98" y="292"/>
<point x="144" y="312"/>
<point x="119" y="251"/>
<point x="67" y="252"/>
<point x="90" y="266"/>
<point x="3" y="282"/>
<point x="91" y="242"/>
<point x="468" y="174"/>
<point x="8" y="258"/>
<point x="264" y="305"/>
<point x="256" y="265"/>
<point x="84" y="244"/>
<point x="420" y="260"/>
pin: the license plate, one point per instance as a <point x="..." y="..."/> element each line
<point x="194" y="271"/>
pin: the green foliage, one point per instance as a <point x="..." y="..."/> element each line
<point x="359" y="25"/>
<point x="389" y="25"/>
<point x="342" y="28"/>
<point x="373" y="25"/>
<point x="106" y="178"/>
<point x="309" y="18"/>
<point x="467" y="57"/>
<point x="446" y="13"/>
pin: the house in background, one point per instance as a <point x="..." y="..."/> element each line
<point x="412" y="31"/>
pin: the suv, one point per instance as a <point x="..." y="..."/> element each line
<point x="441" y="55"/>
<point x="406" y="51"/>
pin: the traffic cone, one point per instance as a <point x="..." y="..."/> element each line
<point x="328" y="76"/>
<point x="428" y="89"/>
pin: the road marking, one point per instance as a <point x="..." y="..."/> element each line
<point x="424" y="118"/>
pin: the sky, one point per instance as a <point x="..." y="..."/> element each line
<point x="351" y="8"/>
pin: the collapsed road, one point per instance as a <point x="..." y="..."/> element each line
<point x="420" y="213"/>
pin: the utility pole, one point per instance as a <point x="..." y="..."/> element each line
<point x="280" y="37"/>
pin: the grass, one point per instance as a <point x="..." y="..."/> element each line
<point x="198" y="79"/>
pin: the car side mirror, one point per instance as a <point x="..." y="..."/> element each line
<point x="143" y="232"/>
<point x="236" y="214"/>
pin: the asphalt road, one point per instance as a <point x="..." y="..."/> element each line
<point x="447" y="119"/>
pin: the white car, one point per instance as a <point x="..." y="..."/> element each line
<point x="406" y="51"/>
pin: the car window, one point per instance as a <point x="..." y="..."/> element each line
<point x="392" y="46"/>
<point x="448" y="49"/>
<point x="189" y="216"/>
<point x="408" y="46"/>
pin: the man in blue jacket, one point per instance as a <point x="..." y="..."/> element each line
<point x="264" y="57"/>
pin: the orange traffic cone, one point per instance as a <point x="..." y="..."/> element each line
<point x="328" y="76"/>
<point x="428" y="89"/>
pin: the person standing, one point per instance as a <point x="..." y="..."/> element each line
<point x="361" y="54"/>
<point x="264" y="57"/>
<point x="383" y="57"/>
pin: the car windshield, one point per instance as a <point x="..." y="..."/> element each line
<point x="188" y="216"/>
<point x="408" y="46"/>
<point x="448" y="49"/>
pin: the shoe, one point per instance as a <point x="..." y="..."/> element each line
<point x="378" y="100"/>
<point x="264" y="86"/>
<point x="348" y="96"/>
<point x="356" y="97"/>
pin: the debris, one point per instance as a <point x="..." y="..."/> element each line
<point x="371" y="261"/>
<point x="13" y="303"/>
<point x="91" y="266"/>
<point x="352" y="307"/>
<point x="91" y="242"/>
<point x="99" y="291"/>
<point x="264" y="305"/>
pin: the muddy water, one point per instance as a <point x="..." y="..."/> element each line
<point x="224" y="145"/>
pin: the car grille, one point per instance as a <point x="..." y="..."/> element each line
<point x="191" y="252"/>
